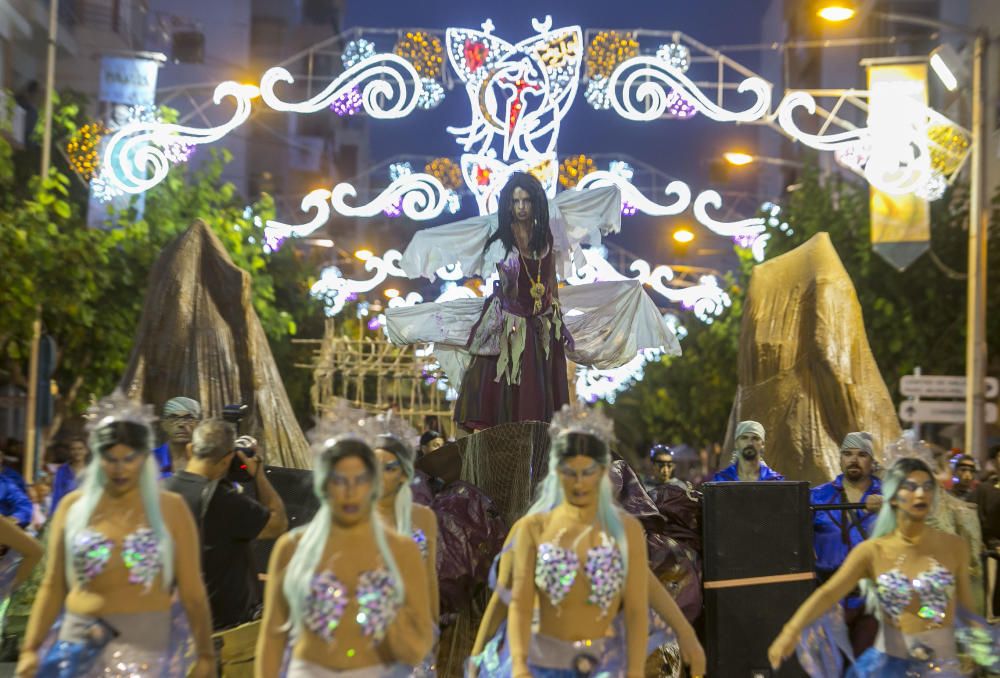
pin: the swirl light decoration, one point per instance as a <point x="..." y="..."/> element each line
<point x="573" y="169"/>
<point x="634" y="198"/>
<point x="421" y="196"/>
<point x="423" y="50"/>
<point x="607" y="50"/>
<point x="743" y="228"/>
<point x="646" y="84"/>
<point x="318" y="200"/>
<point x="138" y="156"/>
<point x="821" y="142"/>
<point x="82" y="149"/>
<point x="390" y="88"/>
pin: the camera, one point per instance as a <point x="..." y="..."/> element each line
<point x="234" y="414"/>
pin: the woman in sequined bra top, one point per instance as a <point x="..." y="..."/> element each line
<point x="397" y="510"/>
<point x="582" y="557"/>
<point x="118" y="549"/>
<point x="915" y="579"/>
<point x="348" y="596"/>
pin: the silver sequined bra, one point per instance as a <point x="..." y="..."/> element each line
<point x="556" y="569"/>
<point x="935" y="587"/>
<point x="140" y="551"/>
<point x="378" y="603"/>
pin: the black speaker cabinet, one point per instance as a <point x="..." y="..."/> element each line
<point x="757" y="570"/>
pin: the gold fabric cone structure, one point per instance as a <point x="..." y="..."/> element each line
<point x="806" y="371"/>
<point x="200" y="337"/>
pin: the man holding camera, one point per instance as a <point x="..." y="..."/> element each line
<point x="227" y="519"/>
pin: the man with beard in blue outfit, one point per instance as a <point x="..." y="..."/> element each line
<point x="748" y="461"/>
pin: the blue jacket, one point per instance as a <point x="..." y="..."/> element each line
<point x="14" y="502"/>
<point x="732" y="473"/>
<point x="63" y="483"/>
<point x="837" y="532"/>
<point x="162" y="454"/>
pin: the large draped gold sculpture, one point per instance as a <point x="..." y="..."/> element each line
<point x="200" y="337"/>
<point x="806" y="371"/>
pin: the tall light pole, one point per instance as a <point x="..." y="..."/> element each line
<point x="50" y="83"/>
<point x="975" y="334"/>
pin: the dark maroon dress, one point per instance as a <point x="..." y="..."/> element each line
<point x="524" y="347"/>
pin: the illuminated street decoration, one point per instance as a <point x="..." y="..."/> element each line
<point x="446" y="171"/>
<point x="573" y="169"/>
<point x="520" y="92"/>
<point x="432" y="94"/>
<point x="138" y="156"/>
<point x="607" y="50"/>
<point x="348" y="103"/>
<point x="647" y="84"/>
<point x="485" y="176"/>
<point x="390" y="88"/>
<point x="423" y="50"/>
<point x="82" y="149"/>
<point x="420" y="196"/>
<point x="633" y="197"/>
<point x="357" y="51"/>
<point x="742" y="228"/>
<point x="676" y="55"/>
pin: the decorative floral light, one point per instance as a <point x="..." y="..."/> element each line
<point x="628" y="209"/>
<point x="948" y="147"/>
<point x="397" y="170"/>
<point x="607" y="50"/>
<point x="432" y="95"/>
<point x="357" y="51"/>
<point x="574" y="168"/>
<point x="423" y="50"/>
<point x="934" y="188"/>
<point x="622" y="169"/>
<point x="82" y="149"/>
<point x="676" y="55"/>
<point x="348" y="103"/>
<point x="446" y="171"/>
<point x="454" y="201"/>
<point x="678" y="106"/>
<point x="597" y="94"/>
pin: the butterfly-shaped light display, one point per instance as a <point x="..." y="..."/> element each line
<point x="519" y="92"/>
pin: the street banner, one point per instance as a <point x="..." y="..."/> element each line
<point x="900" y="224"/>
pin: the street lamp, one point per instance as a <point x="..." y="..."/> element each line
<point x="683" y="235"/>
<point x="738" y="158"/>
<point x="742" y="159"/>
<point x="836" y="11"/>
<point x="975" y="337"/>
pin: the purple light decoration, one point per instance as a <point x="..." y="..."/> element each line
<point x="628" y="209"/>
<point x="273" y="242"/>
<point x="678" y="106"/>
<point x="394" y="210"/>
<point x="353" y="296"/>
<point x="347" y="103"/>
<point x="744" y="240"/>
<point x="373" y="324"/>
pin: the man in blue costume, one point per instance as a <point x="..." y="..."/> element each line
<point x="837" y="532"/>
<point x="748" y="461"/>
<point x="180" y="416"/>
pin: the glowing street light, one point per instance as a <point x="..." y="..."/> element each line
<point x="391" y="293"/>
<point x="738" y="158"/>
<point x="363" y="255"/>
<point x="836" y="11"/>
<point x="683" y="235"/>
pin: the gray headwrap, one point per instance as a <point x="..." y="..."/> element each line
<point x="745" y="427"/>
<point x="858" y="440"/>
<point x="180" y="406"/>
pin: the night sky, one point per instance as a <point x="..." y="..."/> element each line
<point x="680" y="148"/>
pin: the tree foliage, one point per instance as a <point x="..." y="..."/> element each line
<point x="88" y="284"/>
<point x="912" y="318"/>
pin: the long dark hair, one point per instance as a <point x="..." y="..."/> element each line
<point x="540" y="235"/>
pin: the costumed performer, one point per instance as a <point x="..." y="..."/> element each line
<point x="348" y="596"/>
<point x="21" y="554"/>
<point x="574" y="528"/>
<point x="118" y="547"/>
<point x="916" y="580"/>
<point x="508" y="351"/>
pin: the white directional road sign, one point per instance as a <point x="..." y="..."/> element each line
<point x="940" y="411"/>
<point x="936" y="386"/>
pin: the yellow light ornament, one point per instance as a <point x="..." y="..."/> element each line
<point x="574" y="168"/>
<point x="446" y="171"/>
<point x="948" y="147"/>
<point x="607" y="50"/>
<point x="422" y="50"/>
<point x="82" y="149"/>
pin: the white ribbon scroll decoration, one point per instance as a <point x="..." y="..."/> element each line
<point x="137" y="156"/>
<point x="632" y="195"/>
<point x="422" y="197"/>
<point x="647" y="82"/>
<point x="390" y="88"/>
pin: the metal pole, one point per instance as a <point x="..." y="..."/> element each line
<point x="50" y="84"/>
<point x="30" y="418"/>
<point x="975" y="340"/>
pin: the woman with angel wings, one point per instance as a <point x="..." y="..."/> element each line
<point x="508" y="351"/>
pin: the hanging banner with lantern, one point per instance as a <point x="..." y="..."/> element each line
<point x="897" y="117"/>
